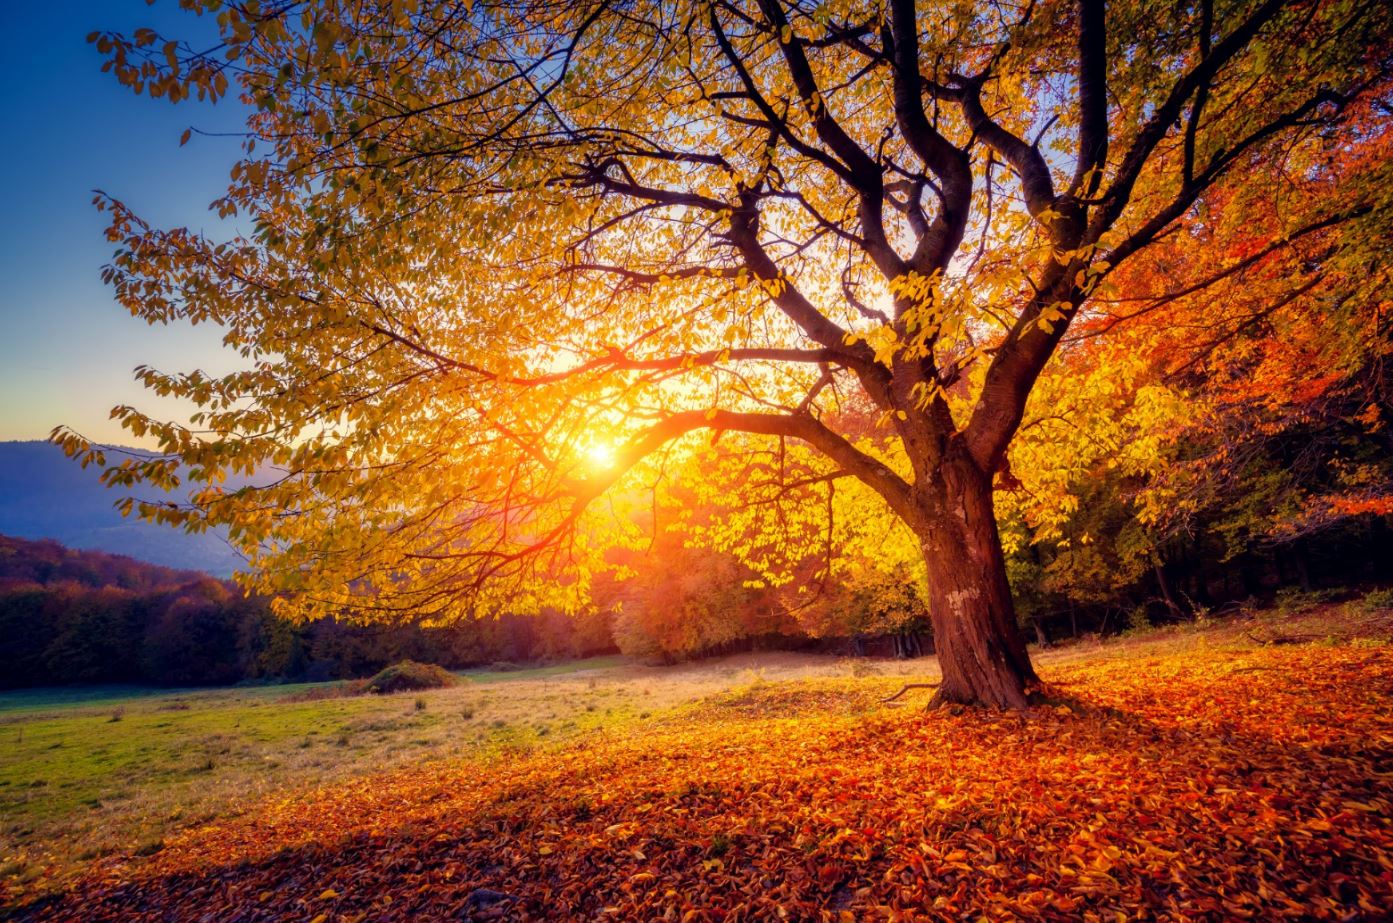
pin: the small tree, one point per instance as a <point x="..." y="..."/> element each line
<point x="501" y="254"/>
<point x="676" y="602"/>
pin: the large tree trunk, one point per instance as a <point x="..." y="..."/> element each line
<point x="980" y="649"/>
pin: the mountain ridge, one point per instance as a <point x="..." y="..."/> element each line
<point x="46" y="495"/>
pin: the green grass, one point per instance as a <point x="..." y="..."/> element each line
<point x="30" y="700"/>
<point x="85" y="756"/>
<point x="87" y="772"/>
<point x="555" y="670"/>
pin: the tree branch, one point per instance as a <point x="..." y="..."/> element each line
<point x="1093" y="98"/>
<point x="950" y="164"/>
<point x="1166" y="114"/>
<point x="874" y="473"/>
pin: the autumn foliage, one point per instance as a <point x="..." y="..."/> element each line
<point x="1216" y="783"/>
<point x="503" y="273"/>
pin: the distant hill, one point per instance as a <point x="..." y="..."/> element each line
<point x="45" y="562"/>
<point x="69" y="616"/>
<point x="45" y="494"/>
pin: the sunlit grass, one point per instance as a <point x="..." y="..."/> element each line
<point x="91" y="772"/>
<point x="87" y="773"/>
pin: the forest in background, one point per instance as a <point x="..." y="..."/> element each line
<point x="70" y="616"/>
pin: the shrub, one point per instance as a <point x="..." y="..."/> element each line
<point x="410" y="676"/>
<point x="1377" y="600"/>
<point x="1291" y="600"/>
<point x="860" y="668"/>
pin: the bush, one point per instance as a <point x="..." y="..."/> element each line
<point x="1138" y="621"/>
<point x="1377" y="600"/>
<point x="861" y="668"/>
<point x="1292" y="600"/>
<point x="409" y="676"/>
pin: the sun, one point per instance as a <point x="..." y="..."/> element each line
<point x="601" y="454"/>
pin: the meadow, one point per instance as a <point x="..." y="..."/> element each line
<point x="1235" y="768"/>
<point x="90" y="772"/>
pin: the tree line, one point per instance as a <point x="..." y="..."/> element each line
<point x="69" y="616"/>
<point x="79" y="617"/>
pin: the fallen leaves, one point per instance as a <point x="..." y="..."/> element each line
<point x="1187" y="787"/>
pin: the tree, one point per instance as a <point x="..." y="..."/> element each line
<point x="1265" y="427"/>
<point x="503" y="255"/>
<point x="193" y="641"/>
<point x="675" y="601"/>
<point x="1288" y="436"/>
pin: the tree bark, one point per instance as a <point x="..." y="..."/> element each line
<point x="1163" y="584"/>
<point x="980" y="649"/>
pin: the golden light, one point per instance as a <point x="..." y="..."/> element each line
<point x="601" y="454"/>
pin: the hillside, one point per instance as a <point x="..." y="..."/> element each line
<point x="1188" y="773"/>
<point x="45" y="495"/>
<point x="76" y="616"/>
<point x="45" y="562"/>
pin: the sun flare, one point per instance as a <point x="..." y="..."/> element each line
<point x="600" y="454"/>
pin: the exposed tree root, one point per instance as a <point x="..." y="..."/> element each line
<point x="907" y="687"/>
<point x="1278" y="639"/>
<point x="1038" y="695"/>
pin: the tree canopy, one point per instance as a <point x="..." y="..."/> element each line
<point x="501" y="262"/>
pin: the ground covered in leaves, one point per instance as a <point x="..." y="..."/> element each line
<point x="1210" y="782"/>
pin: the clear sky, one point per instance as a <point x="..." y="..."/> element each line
<point x="66" y="348"/>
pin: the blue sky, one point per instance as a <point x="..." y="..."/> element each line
<point x="66" y="348"/>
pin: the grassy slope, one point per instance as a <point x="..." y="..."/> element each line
<point x="1196" y="770"/>
<point x="97" y="771"/>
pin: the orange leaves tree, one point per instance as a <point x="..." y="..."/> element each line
<point x="497" y="257"/>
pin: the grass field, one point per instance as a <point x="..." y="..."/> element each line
<point x="100" y="771"/>
<point x="106" y="789"/>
